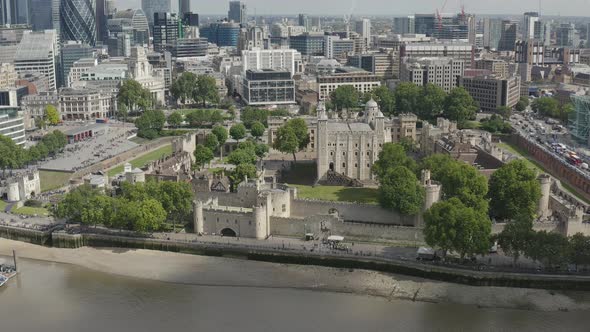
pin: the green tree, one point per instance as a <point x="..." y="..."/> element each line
<point x="149" y="215"/>
<point x="451" y="225"/>
<point x="496" y="124"/>
<point x="257" y="130"/>
<point x="385" y="98"/>
<point x="201" y="118"/>
<point x="292" y="137"/>
<point x="203" y="155"/>
<point x="514" y="189"/>
<point x="406" y="98"/>
<point x="565" y="112"/>
<point x="250" y="115"/>
<point x="133" y="96"/>
<point x="522" y="104"/>
<point x="551" y="249"/>
<point x="391" y="156"/>
<point x="222" y="136"/>
<point x="211" y="142"/>
<point x="429" y="105"/>
<point x="237" y="131"/>
<point x="242" y="156"/>
<point x="261" y="150"/>
<point x="150" y="124"/>
<point x="579" y="249"/>
<point x="516" y="236"/>
<point x="459" y="106"/>
<point x="75" y="202"/>
<point x="345" y="97"/>
<point x="11" y="155"/>
<point x="175" y="119"/>
<point x="176" y="199"/>
<point x="546" y="106"/>
<point x="182" y="88"/>
<point x="206" y="90"/>
<point x="51" y="115"/>
<point x="400" y="190"/>
<point x="504" y="111"/>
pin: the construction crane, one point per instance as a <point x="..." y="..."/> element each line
<point x="439" y="15"/>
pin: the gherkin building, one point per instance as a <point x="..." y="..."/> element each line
<point x="78" y="20"/>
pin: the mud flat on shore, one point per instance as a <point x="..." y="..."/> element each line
<point x="227" y="272"/>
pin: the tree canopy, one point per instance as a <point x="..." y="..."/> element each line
<point x="385" y="98"/>
<point x="451" y="225"/>
<point x="51" y="115"/>
<point x="400" y="190"/>
<point x="203" y="155"/>
<point x="175" y="119"/>
<point x="459" y="106"/>
<point x="182" y="88"/>
<point x="150" y="124"/>
<point x="391" y="156"/>
<point x="133" y="96"/>
<point x="514" y="189"/>
<point x="406" y="97"/>
<point x="205" y="90"/>
<point x="292" y="137"/>
<point x="237" y="131"/>
<point x="430" y="103"/>
<point x="257" y="129"/>
<point x="345" y="97"/>
<point x="203" y="117"/>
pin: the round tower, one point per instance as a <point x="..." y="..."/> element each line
<point x="198" y="217"/>
<point x="543" y="208"/>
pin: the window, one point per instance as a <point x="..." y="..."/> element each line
<point x="344" y="153"/>
<point x="343" y="165"/>
<point x="284" y="207"/>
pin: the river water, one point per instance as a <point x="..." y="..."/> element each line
<point x="59" y="297"/>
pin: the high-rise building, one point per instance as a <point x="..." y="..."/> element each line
<point x="133" y="22"/>
<point x="259" y="59"/>
<point x="72" y="51"/>
<point x="150" y="7"/>
<point x="308" y="44"/>
<point x="37" y="53"/>
<point x="528" y="28"/>
<point x="492" y="92"/>
<point x="165" y="30"/>
<point x="363" y="28"/>
<point x="101" y="20"/>
<point x="456" y="50"/>
<point x="507" y="36"/>
<point x="56" y="17"/>
<point x="337" y="48"/>
<point x="13" y="12"/>
<point x="222" y="33"/>
<point x="190" y="24"/>
<point x="492" y="33"/>
<point x="305" y="21"/>
<point x="404" y="25"/>
<point x="565" y="35"/>
<point x="531" y="52"/>
<point x="184" y="7"/>
<point x="78" y="21"/>
<point x="40" y="12"/>
<point x="237" y="12"/>
<point x="268" y="87"/>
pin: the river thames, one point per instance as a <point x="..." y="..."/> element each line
<point x="61" y="297"/>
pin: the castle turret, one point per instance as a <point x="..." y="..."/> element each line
<point x="260" y="227"/>
<point x="543" y="208"/>
<point x="432" y="190"/>
<point x="198" y="217"/>
<point x="322" y="142"/>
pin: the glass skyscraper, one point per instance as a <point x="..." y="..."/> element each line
<point x="40" y="12"/>
<point x="78" y="21"/>
<point x="150" y="7"/>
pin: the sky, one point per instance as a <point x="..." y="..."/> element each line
<point x="385" y="7"/>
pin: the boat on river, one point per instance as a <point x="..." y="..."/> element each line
<point x="6" y="273"/>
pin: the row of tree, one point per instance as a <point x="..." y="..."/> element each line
<point x="15" y="156"/>
<point x="427" y="102"/>
<point x="141" y="207"/>
<point x="550" y="107"/>
<point x="189" y="87"/>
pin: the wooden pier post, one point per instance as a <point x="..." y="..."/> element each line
<point x="14" y="259"/>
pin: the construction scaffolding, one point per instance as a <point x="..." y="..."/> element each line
<point x="580" y="119"/>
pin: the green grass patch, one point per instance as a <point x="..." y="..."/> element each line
<point x="336" y="193"/>
<point x="31" y="211"/>
<point x="471" y="125"/>
<point x="3" y="205"/>
<point x="51" y="180"/>
<point x="139" y="140"/>
<point x="144" y="160"/>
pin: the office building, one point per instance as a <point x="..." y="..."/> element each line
<point x="363" y="28"/>
<point x="190" y="26"/>
<point x="531" y="52"/>
<point x="507" y="36"/>
<point x="71" y="52"/>
<point x="119" y="45"/>
<point x="34" y="106"/>
<point x="492" y="33"/>
<point x="237" y="12"/>
<point x="492" y="92"/>
<point x="8" y="75"/>
<point x="150" y="7"/>
<point x="37" y="53"/>
<point x="85" y="104"/>
<point x="165" y="30"/>
<point x="337" y="48"/>
<point x="14" y="12"/>
<point x="306" y="22"/>
<point x="132" y="22"/>
<point x="56" y="17"/>
<point x="456" y="50"/>
<point x="499" y="68"/>
<point x="280" y="59"/>
<point x="268" y="87"/>
<point x="528" y="28"/>
<point x="384" y="63"/>
<point x="78" y="21"/>
<point x="443" y="72"/>
<point x="40" y="14"/>
<point x="188" y="47"/>
<point x="565" y="35"/>
<point x="308" y="44"/>
<point x="80" y="67"/>
<point x="12" y="34"/>
<point x="222" y="33"/>
<point x="362" y="80"/>
<point x="12" y="124"/>
<point x="101" y="20"/>
<point x="404" y="25"/>
<point x="184" y="7"/>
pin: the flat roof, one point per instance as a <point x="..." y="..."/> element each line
<point x="78" y="130"/>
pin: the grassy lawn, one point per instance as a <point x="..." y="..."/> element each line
<point x="535" y="165"/>
<point x="145" y="159"/>
<point x="30" y="211"/>
<point x="53" y="180"/>
<point x="139" y="140"/>
<point x="2" y="205"/>
<point x="334" y="193"/>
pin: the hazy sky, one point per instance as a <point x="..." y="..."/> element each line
<point x="386" y="7"/>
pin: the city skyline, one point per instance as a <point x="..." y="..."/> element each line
<point x="376" y="7"/>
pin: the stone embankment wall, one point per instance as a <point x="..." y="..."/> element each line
<point x="25" y="235"/>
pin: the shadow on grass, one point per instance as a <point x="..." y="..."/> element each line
<point x="359" y="195"/>
<point x="300" y="173"/>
